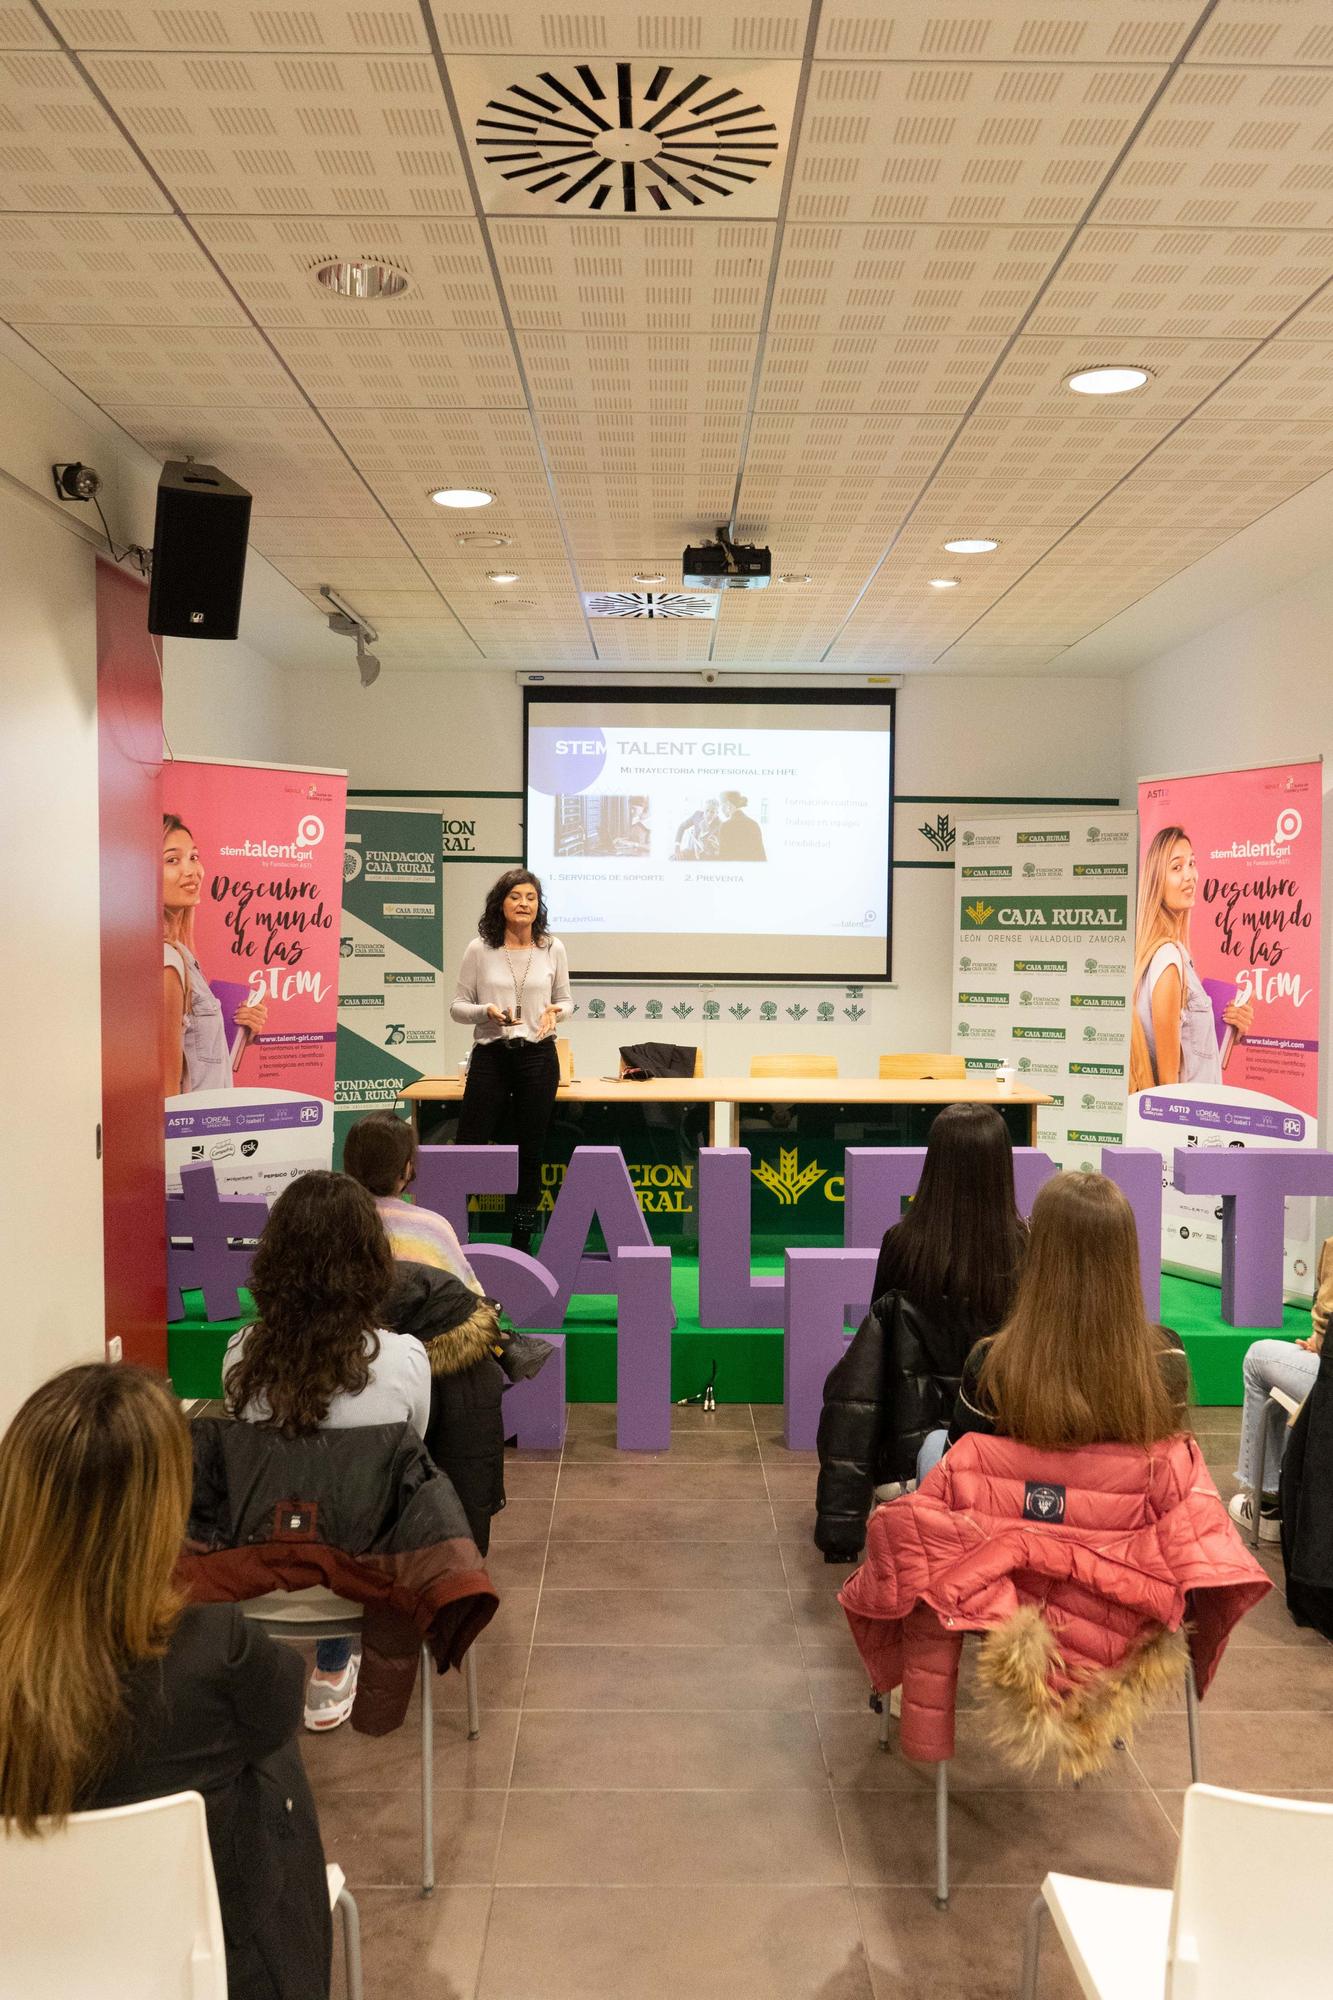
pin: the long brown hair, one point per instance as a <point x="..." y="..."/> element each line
<point x="184" y="931"/>
<point x="95" y="1481"/>
<point x="320" y="1276"/>
<point x="1156" y="926"/>
<point x="962" y="1240"/>
<point x="379" y="1150"/>
<point x="1077" y="1361"/>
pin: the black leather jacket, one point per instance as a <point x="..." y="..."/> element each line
<point x="897" y="1381"/>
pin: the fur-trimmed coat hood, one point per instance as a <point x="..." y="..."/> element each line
<point x="1083" y="1567"/>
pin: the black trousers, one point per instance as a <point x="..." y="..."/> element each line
<point x="509" y="1094"/>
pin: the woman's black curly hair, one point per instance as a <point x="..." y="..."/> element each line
<point x="491" y="924"/>
<point x="320" y="1277"/>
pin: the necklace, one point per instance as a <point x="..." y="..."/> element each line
<point x="518" y="984"/>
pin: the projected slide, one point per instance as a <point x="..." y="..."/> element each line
<point x="725" y="836"/>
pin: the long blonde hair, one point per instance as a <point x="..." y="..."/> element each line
<point x="1155" y="926"/>
<point x="95" y="1482"/>
<point x="1077" y="1361"/>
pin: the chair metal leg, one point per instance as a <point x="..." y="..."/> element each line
<point x="427" y="1777"/>
<point x="351" y="1917"/>
<point x="473" y="1705"/>
<point x="1032" y="1948"/>
<point x="1192" y="1723"/>
<point x="885" y="1713"/>
<point x="942" y="1836"/>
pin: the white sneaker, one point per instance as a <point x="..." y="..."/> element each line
<point x="327" y="1703"/>
<point x="1241" y="1510"/>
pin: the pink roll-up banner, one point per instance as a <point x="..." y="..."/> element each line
<point x="1225" y="993"/>
<point x="252" y="868"/>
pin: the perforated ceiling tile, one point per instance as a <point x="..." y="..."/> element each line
<point x="421" y="368"/>
<point x="215" y="366"/>
<point x="621" y="136"/>
<point x="21" y="29"/>
<point x="323" y="538"/>
<point x="634" y="275"/>
<point x="58" y="148"/>
<point x="1234" y="283"/>
<point x="1232" y="148"/>
<point x="1144" y="31"/>
<point x="664" y="373"/>
<point x="315" y="27"/>
<point x="1267" y="32"/>
<point x="284" y="457"/>
<point x="767" y="28"/>
<point x="88" y="270"/>
<point x="922" y="373"/>
<point x="273" y="264"/>
<point x="1032" y="381"/>
<point x="1289" y="378"/>
<point x="962" y="144"/>
<point x="291" y="135"/>
<point x="891" y="278"/>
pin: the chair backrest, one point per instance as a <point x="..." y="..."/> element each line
<point x="917" y="1069"/>
<point x="564" y="1056"/>
<point x="794" y="1065"/>
<point x="120" y="1904"/>
<point x="1249" y="1916"/>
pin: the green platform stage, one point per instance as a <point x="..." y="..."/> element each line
<point x="749" y="1360"/>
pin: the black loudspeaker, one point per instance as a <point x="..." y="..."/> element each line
<point x="199" y="539"/>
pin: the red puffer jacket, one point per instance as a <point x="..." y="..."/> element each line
<point x="1081" y="1565"/>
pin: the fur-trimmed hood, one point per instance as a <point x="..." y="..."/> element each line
<point x="477" y="1338"/>
<point x="1080" y="1566"/>
<point x="456" y="1327"/>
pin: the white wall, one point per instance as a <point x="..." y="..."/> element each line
<point x="224" y="699"/>
<point x="1256" y="689"/>
<point x="50" y="1044"/>
<point x="957" y="736"/>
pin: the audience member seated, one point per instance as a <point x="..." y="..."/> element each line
<point x="1305" y="1493"/>
<point x="113" y="1689"/>
<point x="380" y="1151"/>
<point x="1075" y="1525"/>
<point x="1077" y="1362"/>
<point x="319" y="1356"/>
<point x="945" y="1279"/>
<point x="1290" y="1366"/>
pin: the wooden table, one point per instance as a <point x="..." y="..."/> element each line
<point x="725" y="1094"/>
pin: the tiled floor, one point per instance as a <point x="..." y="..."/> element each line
<point x="678" y="1788"/>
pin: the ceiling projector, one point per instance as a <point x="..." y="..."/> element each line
<point x="726" y="565"/>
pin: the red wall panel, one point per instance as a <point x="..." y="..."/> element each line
<point x="129" y="746"/>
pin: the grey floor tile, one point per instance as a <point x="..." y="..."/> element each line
<point x="662" y="1838"/>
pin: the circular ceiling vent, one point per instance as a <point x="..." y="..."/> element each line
<point x="627" y="138"/>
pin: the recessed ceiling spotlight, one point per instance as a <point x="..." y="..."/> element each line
<point x="794" y="576"/>
<point x="1106" y="381"/>
<point x="363" y="278"/>
<point x="461" y="496"/>
<point x="503" y="575"/>
<point x="479" y="539"/>
<point x="944" y="583"/>
<point x="649" y="576"/>
<point x="972" y="545"/>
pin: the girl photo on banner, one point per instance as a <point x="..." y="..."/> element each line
<point x="1224" y="1024"/>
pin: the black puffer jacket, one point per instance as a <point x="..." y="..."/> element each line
<point x="462" y="1335"/>
<point x="897" y="1381"/>
<point x="1305" y="1492"/>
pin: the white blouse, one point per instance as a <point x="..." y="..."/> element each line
<point x="534" y="979"/>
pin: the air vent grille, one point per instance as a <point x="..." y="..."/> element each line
<point x="650" y="604"/>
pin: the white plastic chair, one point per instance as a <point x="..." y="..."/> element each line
<point x="1246" y="1915"/>
<point x="121" y="1904"/>
<point x="319" y="1613"/>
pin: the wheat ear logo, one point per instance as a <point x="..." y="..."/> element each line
<point x="789" y="1180"/>
<point x="979" y="912"/>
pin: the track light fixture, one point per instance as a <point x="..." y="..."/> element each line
<point x="75" y="481"/>
<point x="349" y="624"/>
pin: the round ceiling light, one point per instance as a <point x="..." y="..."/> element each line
<point x="502" y="575"/>
<point x="363" y="278"/>
<point x="794" y="576"/>
<point x="972" y="545"/>
<point x="649" y="576"/>
<point x="1106" y="381"/>
<point x="479" y="539"/>
<point x="461" y="496"/>
<point x="944" y="583"/>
